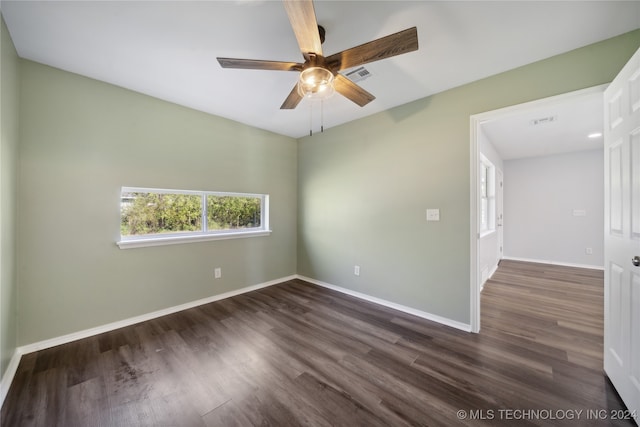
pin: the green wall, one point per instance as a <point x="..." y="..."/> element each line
<point x="363" y="187"/>
<point x="9" y="97"/>
<point x="355" y="194"/>
<point x="81" y="140"/>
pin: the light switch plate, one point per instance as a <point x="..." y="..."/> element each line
<point x="433" y="214"/>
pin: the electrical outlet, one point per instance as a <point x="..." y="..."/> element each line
<point x="356" y="270"/>
<point x="217" y="273"/>
<point x="589" y="251"/>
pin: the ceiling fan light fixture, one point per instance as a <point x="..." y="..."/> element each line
<point x="320" y="76"/>
<point x="316" y="83"/>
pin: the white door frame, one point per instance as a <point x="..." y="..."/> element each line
<point x="476" y="121"/>
<point x="500" y="213"/>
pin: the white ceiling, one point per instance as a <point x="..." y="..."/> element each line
<point x="168" y="49"/>
<point x="555" y="126"/>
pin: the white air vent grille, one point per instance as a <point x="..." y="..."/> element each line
<point x="358" y="74"/>
<point x="544" y="120"/>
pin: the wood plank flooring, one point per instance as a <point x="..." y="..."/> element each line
<point x="297" y="354"/>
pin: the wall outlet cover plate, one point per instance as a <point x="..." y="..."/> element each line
<point x="433" y="214"/>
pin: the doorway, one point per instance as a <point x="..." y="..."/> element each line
<point x="478" y="124"/>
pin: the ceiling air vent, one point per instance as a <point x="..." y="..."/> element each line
<point x="358" y="74"/>
<point x="544" y="120"/>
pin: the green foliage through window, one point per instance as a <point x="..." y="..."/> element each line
<point x="157" y="212"/>
<point x="226" y="212"/>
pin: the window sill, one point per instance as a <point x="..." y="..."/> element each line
<point x="176" y="240"/>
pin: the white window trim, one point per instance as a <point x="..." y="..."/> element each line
<point x="491" y="196"/>
<point x="131" y="242"/>
<point x="174" y="240"/>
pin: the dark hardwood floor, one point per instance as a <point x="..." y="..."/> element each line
<point x="297" y="354"/>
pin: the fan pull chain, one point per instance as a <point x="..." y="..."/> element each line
<point x="310" y="118"/>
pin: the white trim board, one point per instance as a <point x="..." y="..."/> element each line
<point x="490" y="275"/>
<point x="546" y="261"/>
<point x="64" y="339"/>
<point x="403" y="308"/>
<point x="7" y="378"/>
<point x="41" y="345"/>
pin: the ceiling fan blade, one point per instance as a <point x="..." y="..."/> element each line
<point x="352" y="91"/>
<point x="302" y="17"/>
<point x="257" y="64"/>
<point x="292" y="100"/>
<point x="385" y="47"/>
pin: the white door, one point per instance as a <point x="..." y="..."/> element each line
<point x="622" y="233"/>
<point x="499" y="215"/>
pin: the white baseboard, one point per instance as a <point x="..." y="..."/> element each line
<point x="489" y="275"/>
<point x="493" y="271"/>
<point x="29" y="348"/>
<point x="7" y="378"/>
<point x="546" y="261"/>
<point x="433" y="317"/>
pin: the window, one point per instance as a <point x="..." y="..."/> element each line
<point x="487" y="196"/>
<point x="150" y="217"/>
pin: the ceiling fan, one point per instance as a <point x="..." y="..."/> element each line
<point x="319" y="74"/>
